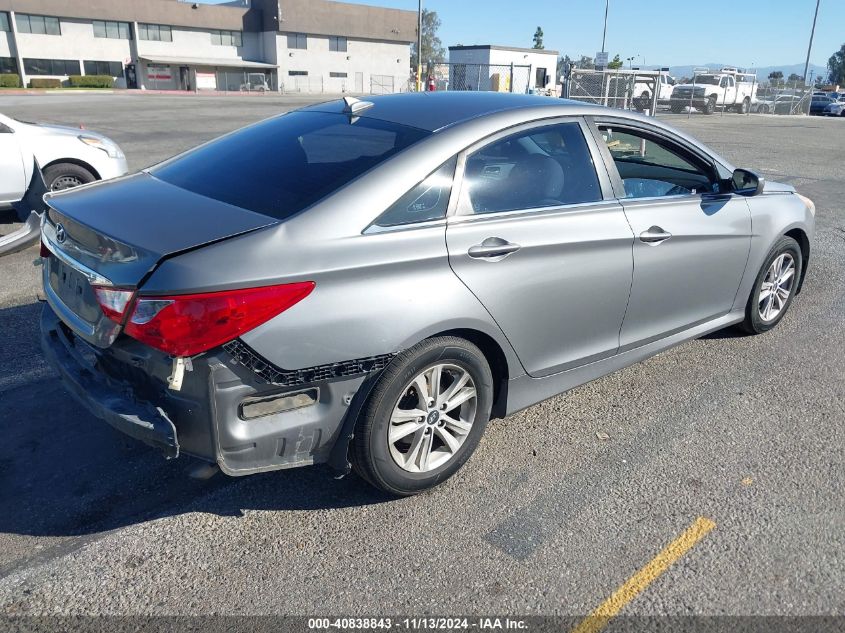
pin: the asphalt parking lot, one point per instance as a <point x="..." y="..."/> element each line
<point x="560" y="505"/>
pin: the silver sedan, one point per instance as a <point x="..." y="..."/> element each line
<point x="367" y="283"/>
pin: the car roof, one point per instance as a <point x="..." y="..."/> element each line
<point x="433" y="111"/>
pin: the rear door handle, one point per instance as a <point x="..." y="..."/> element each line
<point x="493" y="247"/>
<point x="654" y="235"/>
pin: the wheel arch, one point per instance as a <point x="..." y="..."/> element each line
<point x="496" y="359"/>
<point x="800" y="236"/>
<point x="73" y="161"/>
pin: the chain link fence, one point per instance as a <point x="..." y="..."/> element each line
<point x="229" y="81"/>
<point x="707" y="91"/>
<point x="481" y="77"/>
<point x="783" y="98"/>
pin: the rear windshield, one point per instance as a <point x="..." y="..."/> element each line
<point x="281" y="166"/>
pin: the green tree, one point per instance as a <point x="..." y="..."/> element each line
<point x="538" y="38"/>
<point x="776" y="77"/>
<point x="614" y="63"/>
<point x="562" y="66"/>
<point x="836" y="67"/>
<point x="795" y="77"/>
<point x="586" y="62"/>
<point x="432" y="47"/>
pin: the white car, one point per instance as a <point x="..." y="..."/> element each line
<point x="67" y="157"/>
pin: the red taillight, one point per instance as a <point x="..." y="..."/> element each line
<point x="113" y="302"/>
<point x="185" y="325"/>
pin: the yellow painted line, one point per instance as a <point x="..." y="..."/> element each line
<point x="599" y="618"/>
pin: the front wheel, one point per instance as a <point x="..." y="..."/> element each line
<point x="63" y="176"/>
<point x="774" y="288"/>
<point x="424" y="417"/>
<point x="710" y="106"/>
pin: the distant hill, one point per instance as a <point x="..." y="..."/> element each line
<point x="762" y="72"/>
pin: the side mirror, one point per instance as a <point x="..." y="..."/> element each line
<point x="747" y="183"/>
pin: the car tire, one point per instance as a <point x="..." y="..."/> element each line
<point x="66" y="176"/>
<point x="391" y="464"/>
<point x="745" y="106"/>
<point x="710" y="106"/>
<point x="764" y="109"/>
<point x="757" y="319"/>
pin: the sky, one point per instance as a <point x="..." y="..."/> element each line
<point x="659" y="32"/>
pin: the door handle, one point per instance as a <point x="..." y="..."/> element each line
<point x="654" y="235"/>
<point x="492" y="247"/>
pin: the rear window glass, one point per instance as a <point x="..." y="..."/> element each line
<point x="283" y="165"/>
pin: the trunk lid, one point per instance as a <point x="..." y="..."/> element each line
<point x="115" y="234"/>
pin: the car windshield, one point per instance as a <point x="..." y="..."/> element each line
<point x="707" y="79"/>
<point x="281" y="166"/>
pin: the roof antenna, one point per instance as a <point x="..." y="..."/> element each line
<point x="354" y="106"/>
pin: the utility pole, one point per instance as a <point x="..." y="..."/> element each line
<point x="419" y="45"/>
<point x="604" y="34"/>
<point x="810" y="47"/>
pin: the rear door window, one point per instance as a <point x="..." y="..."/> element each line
<point x="547" y="166"/>
<point x="281" y="166"/>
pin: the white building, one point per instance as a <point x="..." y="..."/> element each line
<point x="503" y="68"/>
<point x="289" y="45"/>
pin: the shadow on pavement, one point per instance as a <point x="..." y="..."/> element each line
<point x="65" y="473"/>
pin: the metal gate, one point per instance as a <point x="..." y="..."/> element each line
<point x="625" y="89"/>
<point x="381" y="84"/>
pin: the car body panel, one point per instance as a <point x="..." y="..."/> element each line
<point x="15" y="162"/>
<point x="693" y="276"/>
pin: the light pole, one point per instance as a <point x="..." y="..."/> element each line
<point x="630" y="61"/>
<point x="604" y="33"/>
<point x="419" y="45"/>
<point x="810" y="47"/>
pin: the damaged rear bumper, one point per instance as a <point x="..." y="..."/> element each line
<point x="229" y="409"/>
<point x="68" y="356"/>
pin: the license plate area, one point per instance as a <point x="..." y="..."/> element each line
<point x="73" y="289"/>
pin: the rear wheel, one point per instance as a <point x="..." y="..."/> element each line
<point x="66" y="176"/>
<point x="743" y="107"/>
<point x="424" y="417"/>
<point x="774" y="288"/>
<point x="710" y="106"/>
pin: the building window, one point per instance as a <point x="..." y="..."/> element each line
<point x="8" y="65"/>
<point x="4" y="21"/>
<point x="337" y="43"/>
<point x="51" y="66"/>
<point x="338" y="75"/>
<point x="111" y="30"/>
<point x="111" y="69"/>
<point x="226" y="38"/>
<point x="37" y="24"/>
<point x="155" y="33"/>
<point x="297" y="40"/>
<point x="297" y="73"/>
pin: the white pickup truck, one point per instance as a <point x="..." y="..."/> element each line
<point x="727" y="88"/>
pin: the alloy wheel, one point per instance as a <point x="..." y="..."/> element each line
<point x="777" y="287"/>
<point x="432" y="418"/>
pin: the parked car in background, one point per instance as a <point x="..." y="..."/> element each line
<point x="835" y="108"/>
<point x="712" y="90"/>
<point x="68" y="157"/>
<point x="819" y="104"/>
<point x="781" y="104"/>
<point x="372" y="281"/>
